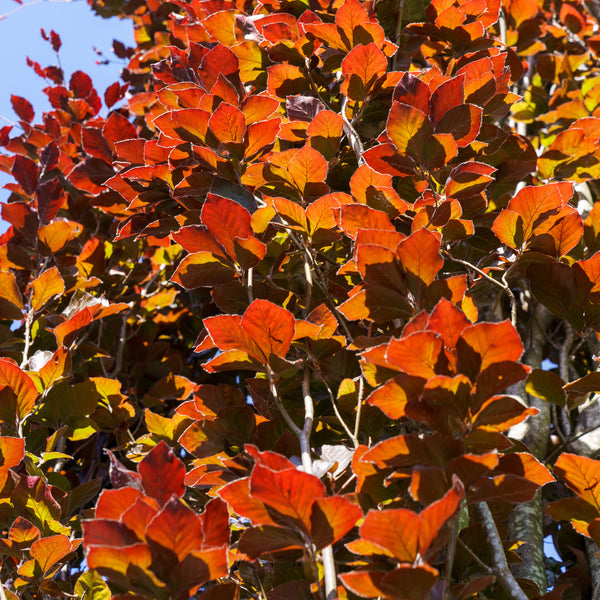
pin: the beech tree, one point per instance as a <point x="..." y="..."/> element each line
<point x="305" y="307"/>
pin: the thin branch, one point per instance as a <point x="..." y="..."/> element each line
<point x="501" y="569"/>
<point x="359" y="402"/>
<point x="450" y="554"/>
<point x="476" y="558"/>
<point x="121" y="346"/>
<point x="309" y="415"/>
<point x="503" y="285"/>
<point x="309" y="283"/>
<point x="28" y="323"/>
<point x="284" y="413"/>
<point x="352" y="134"/>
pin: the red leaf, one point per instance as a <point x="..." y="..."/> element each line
<point x="104" y="532"/>
<point x="416" y="354"/>
<point x="331" y="519"/>
<point x="449" y="321"/>
<point x="55" y="40"/>
<point x="361" y="68"/>
<point x="484" y="344"/>
<point x="26" y="172"/>
<point x="405" y="534"/>
<point x="228" y="124"/>
<point x="203" y="269"/>
<point x="23" y="108"/>
<point x="162" y="473"/>
<point x="260" y="136"/>
<point x="290" y="493"/>
<point x="177" y="528"/>
<point x="12" y="451"/>
<point x="226" y="220"/>
<point x="462" y="122"/>
<point x="270" y="327"/>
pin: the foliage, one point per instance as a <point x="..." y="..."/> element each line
<point x="305" y="306"/>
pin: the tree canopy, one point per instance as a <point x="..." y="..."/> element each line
<point x="305" y="306"/>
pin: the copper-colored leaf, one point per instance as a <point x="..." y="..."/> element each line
<point x="162" y="473"/>
<point x="582" y="475"/>
<point x="416" y="354"/>
<point x="46" y="286"/>
<point x="361" y="67"/>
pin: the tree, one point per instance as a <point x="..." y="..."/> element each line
<point x="310" y="310"/>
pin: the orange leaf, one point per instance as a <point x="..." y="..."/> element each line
<point x="162" y="473"/>
<point x="403" y="534"/>
<point x="260" y="136"/>
<point x="48" y="284"/>
<point x="21" y="385"/>
<point x="307" y="167"/>
<point x="9" y="289"/>
<point x="408" y="128"/>
<point x="491" y="343"/>
<point x="228" y="124"/>
<point x="203" y="269"/>
<point x="290" y="493"/>
<point x="582" y="475"/>
<point x="50" y="550"/>
<point x="361" y="68"/>
<point x="359" y="216"/>
<point x="331" y="519"/>
<point x="416" y="354"/>
<point x="177" y="528"/>
<point x="226" y="220"/>
<point x="419" y="254"/>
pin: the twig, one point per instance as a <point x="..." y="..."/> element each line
<point x="309" y="283"/>
<point x="121" y="346"/>
<point x="501" y="569"/>
<point x="450" y="553"/>
<point x="503" y="285"/>
<point x="359" y="401"/>
<point x="284" y="413"/>
<point x="352" y="134"/>
<point x="309" y="415"/>
<point x="476" y="558"/>
<point x="28" y="322"/>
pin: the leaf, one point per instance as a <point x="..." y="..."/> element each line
<point x="403" y="534"/>
<point x="22" y="108"/>
<point x="162" y="473"/>
<point x="546" y="386"/>
<point x="26" y="172"/>
<point x="50" y="550"/>
<point x="228" y="123"/>
<point x="270" y="327"/>
<point x="331" y="519"/>
<point x="19" y="384"/>
<point x="260" y="136"/>
<point x="307" y="167"/>
<point x="266" y="539"/>
<point x="419" y="255"/>
<point x="484" y="344"/>
<point x="9" y="289"/>
<point x="582" y="475"/>
<point x="113" y="503"/>
<point x="46" y="286"/>
<point x="408" y="128"/>
<point x="90" y="586"/>
<point x="417" y="354"/>
<point x="202" y="269"/>
<point x="226" y="220"/>
<point x="177" y="528"/>
<point x="290" y="493"/>
<point x="361" y="67"/>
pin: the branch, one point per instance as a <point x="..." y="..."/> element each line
<point x="501" y="569"/>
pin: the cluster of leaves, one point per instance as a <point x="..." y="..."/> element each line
<point x="273" y="310"/>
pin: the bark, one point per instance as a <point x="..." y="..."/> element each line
<point x="525" y="523"/>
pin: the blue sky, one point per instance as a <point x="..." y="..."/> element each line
<point x="80" y="31"/>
